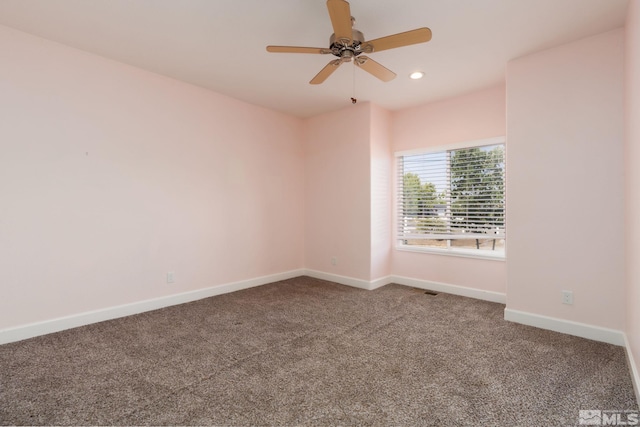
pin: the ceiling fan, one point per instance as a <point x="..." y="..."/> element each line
<point x="348" y="44"/>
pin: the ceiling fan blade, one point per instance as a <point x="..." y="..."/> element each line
<point x="326" y="72"/>
<point x="420" y="35"/>
<point x="297" y="49"/>
<point x="340" y="14"/>
<point x="375" y="68"/>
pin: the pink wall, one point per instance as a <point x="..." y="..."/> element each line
<point x="337" y="191"/>
<point x="469" y="117"/>
<point x="632" y="169"/>
<point x="111" y="176"/>
<point x="565" y="181"/>
<point x="381" y="194"/>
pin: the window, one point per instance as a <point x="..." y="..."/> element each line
<point x="453" y="199"/>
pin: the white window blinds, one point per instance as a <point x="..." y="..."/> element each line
<point x="452" y="195"/>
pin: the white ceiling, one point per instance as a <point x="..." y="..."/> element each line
<point x="220" y="44"/>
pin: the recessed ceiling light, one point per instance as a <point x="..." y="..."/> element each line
<point x="416" y="75"/>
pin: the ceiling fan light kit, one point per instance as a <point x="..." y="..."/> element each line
<point x="348" y="44"/>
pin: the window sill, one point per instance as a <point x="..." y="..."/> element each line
<point x="460" y="253"/>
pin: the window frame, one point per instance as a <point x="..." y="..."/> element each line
<point x="450" y="251"/>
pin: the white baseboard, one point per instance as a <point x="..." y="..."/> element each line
<point x="345" y="280"/>
<point x="378" y="283"/>
<point x="633" y="369"/>
<point x="583" y="330"/>
<point x="55" y="325"/>
<point x="59" y="324"/>
<point x="450" y="289"/>
<point x="408" y="281"/>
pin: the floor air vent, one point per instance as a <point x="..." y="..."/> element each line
<point x="422" y="291"/>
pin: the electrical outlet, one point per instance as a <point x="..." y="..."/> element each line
<point x="334" y="260"/>
<point x="567" y="297"/>
<point x="171" y="277"/>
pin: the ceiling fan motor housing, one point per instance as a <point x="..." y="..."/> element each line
<point x="342" y="49"/>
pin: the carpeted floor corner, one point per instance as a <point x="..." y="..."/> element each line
<point x="310" y="352"/>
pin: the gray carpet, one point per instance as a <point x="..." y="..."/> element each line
<point x="309" y="352"/>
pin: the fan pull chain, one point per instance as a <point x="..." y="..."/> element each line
<point x="353" y="98"/>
